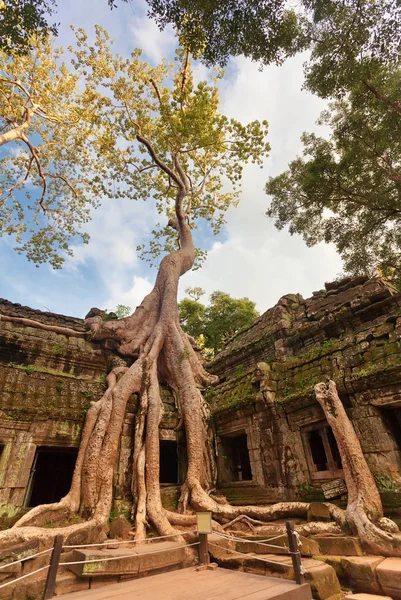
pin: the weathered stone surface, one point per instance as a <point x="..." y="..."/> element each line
<point x="361" y="572"/>
<point x="322" y="579"/>
<point x="318" y="511"/>
<point x="66" y="583"/>
<point x="389" y="576"/>
<point x="366" y="597"/>
<point x="142" y="558"/>
<point x="338" y="545"/>
<point x="120" y="528"/>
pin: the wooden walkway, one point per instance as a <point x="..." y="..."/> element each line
<point x="189" y="584"/>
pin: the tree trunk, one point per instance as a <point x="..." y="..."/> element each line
<point x="364" y="513"/>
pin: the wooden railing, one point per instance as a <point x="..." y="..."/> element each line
<point x="204" y="558"/>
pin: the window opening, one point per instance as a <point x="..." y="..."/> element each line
<point x="317" y="449"/>
<point x="237" y="464"/>
<point x="321" y="450"/>
<point x="51" y="475"/>
<point x="335" y="453"/>
<point x="169" y="462"/>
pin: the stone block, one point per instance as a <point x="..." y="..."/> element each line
<point x="366" y="597"/>
<point x="360" y="572"/>
<point x="146" y="557"/>
<point x="318" y="511"/>
<point x="121" y="528"/>
<point x="323" y="580"/>
<point x="338" y="545"/>
<point x="389" y="575"/>
<point x="66" y="583"/>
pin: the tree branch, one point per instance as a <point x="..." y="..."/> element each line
<point x="40" y="170"/>
<point x="383" y="97"/>
<point x="158" y="161"/>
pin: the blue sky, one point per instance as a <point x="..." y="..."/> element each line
<point x="249" y="258"/>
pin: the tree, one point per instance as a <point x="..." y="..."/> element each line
<point x="223" y="317"/>
<point x="22" y="19"/>
<point x="164" y="141"/>
<point x="265" y="30"/>
<point x="47" y="126"/>
<point x="349" y="41"/>
<point x="347" y="189"/>
<point x="364" y="513"/>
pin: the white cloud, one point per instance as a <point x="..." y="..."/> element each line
<point x="256" y="260"/>
<point x="155" y="43"/>
<point x="132" y="297"/>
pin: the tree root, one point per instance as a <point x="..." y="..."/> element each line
<point x="39" y="325"/>
<point x="364" y="513"/>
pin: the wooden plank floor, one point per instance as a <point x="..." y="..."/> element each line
<point x="185" y="584"/>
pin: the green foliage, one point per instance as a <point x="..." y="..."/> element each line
<point x="116" y="513"/>
<point x="384" y="482"/>
<point x="29" y="370"/>
<point x="59" y="386"/>
<point x="211" y="325"/>
<point x="123" y="311"/>
<point x="233" y="398"/>
<point x="20" y="20"/>
<point x="46" y="124"/>
<point x="116" y="127"/>
<point x="351" y="41"/>
<point x="347" y="189"/>
<point x="56" y="349"/>
<point x="266" y="30"/>
<point x="88" y="395"/>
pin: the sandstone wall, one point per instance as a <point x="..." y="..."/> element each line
<point x="350" y="332"/>
<point x="47" y="381"/>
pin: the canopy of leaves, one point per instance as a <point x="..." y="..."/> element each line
<point x="46" y="128"/>
<point x="213" y="324"/>
<point x="265" y="30"/>
<point x="150" y="117"/>
<point x="22" y="19"/>
<point x="347" y="189"/>
<point x="126" y="134"/>
<point x="347" y="39"/>
<point x="351" y="41"/>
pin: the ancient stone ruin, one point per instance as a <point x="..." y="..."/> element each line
<point x="273" y="442"/>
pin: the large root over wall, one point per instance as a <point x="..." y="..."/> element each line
<point x="162" y="353"/>
<point x="364" y="513"/>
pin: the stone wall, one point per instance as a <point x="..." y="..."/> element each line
<point x="350" y="332"/>
<point x="47" y="381"/>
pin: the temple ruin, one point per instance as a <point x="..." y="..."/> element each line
<point x="272" y="440"/>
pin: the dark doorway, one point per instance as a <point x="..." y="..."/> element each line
<point x="169" y="462"/>
<point x="317" y="450"/>
<point x="237" y="466"/>
<point x="51" y="475"/>
<point x="321" y="450"/>
<point x="392" y="419"/>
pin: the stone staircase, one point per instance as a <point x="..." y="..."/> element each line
<point x="332" y="564"/>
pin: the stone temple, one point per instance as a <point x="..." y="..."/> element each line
<point x="273" y="442"/>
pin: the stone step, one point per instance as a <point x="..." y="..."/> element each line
<point x="365" y="597"/>
<point x="321" y="577"/>
<point x="278" y="545"/>
<point x="338" y="545"/>
<point x="368" y="574"/>
<point x="143" y="558"/>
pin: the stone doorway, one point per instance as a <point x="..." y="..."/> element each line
<point x="51" y="475"/>
<point x="234" y="463"/>
<point x="169" y="462"/>
<point x="322" y="454"/>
